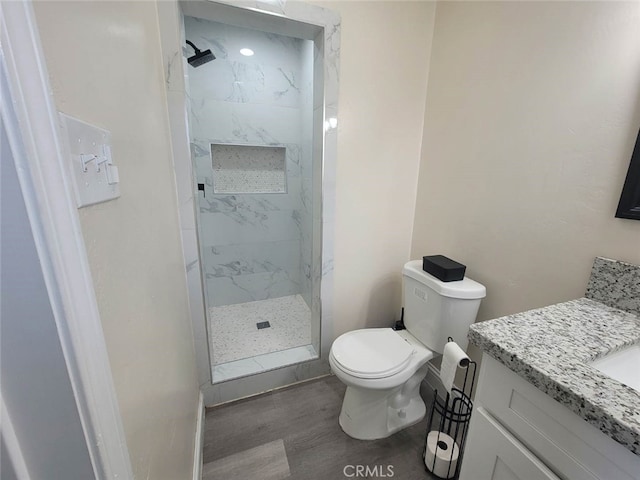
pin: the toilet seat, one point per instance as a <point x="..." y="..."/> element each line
<point x="372" y="353"/>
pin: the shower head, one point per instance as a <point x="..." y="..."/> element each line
<point x="200" y="57"/>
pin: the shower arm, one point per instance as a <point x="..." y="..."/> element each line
<point x="197" y="50"/>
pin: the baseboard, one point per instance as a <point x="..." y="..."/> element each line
<point x="199" y="440"/>
<point x="14" y="455"/>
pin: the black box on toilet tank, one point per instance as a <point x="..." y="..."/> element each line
<point x="443" y="268"/>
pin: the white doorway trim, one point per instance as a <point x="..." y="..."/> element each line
<point x="29" y="114"/>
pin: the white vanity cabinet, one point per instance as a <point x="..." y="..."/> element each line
<point x="518" y="432"/>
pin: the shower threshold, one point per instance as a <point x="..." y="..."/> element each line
<point x="262" y="363"/>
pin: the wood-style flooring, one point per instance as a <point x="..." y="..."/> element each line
<point x="294" y="434"/>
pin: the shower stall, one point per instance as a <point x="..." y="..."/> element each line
<point x="251" y="134"/>
<point x="252" y="96"/>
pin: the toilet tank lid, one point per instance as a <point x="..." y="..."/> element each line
<point x="464" y="289"/>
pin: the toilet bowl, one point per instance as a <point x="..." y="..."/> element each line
<point x="383" y="368"/>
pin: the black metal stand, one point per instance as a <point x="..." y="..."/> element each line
<point x="448" y="424"/>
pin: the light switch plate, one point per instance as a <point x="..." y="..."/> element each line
<point x="91" y="181"/>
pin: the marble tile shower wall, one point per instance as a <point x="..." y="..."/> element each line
<point x="255" y="246"/>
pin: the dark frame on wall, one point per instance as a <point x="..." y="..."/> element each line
<point x="629" y="206"/>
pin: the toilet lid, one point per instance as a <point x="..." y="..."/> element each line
<point x="372" y="352"/>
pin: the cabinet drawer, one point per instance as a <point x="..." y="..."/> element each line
<point x="492" y="453"/>
<point x="571" y="447"/>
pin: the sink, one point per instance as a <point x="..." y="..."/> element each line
<point x="623" y="366"/>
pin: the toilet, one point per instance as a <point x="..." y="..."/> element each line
<point x="382" y="368"/>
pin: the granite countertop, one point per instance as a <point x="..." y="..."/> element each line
<point x="551" y="348"/>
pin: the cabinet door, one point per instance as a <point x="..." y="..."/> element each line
<point x="492" y="453"/>
<point x="565" y="442"/>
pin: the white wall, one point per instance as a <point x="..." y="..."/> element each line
<point x="532" y="112"/>
<point x="105" y="67"/>
<point x="384" y="62"/>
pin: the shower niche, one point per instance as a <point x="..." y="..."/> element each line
<point x="239" y="169"/>
<point x="258" y="100"/>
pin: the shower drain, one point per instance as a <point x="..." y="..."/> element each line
<point x="262" y="325"/>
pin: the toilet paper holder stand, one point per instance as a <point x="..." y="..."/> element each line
<point x="449" y="417"/>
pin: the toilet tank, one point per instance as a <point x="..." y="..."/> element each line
<point x="435" y="310"/>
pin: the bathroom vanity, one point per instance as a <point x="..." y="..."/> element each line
<point x="542" y="409"/>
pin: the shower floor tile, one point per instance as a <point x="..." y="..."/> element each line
<point x="235" y="335"/>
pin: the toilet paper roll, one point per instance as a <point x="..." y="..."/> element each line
<point x="452" y="358"/>
<point x="441" y="454"/>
